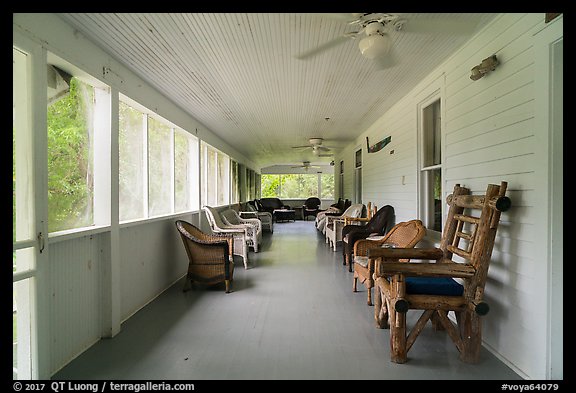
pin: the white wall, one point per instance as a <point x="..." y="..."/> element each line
<point x="489" y="135"/>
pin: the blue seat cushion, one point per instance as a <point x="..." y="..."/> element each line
<point x="445" y="286"/>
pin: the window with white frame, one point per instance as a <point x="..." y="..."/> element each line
<point x="341" y="181"/>
<point x="215" y="176"/>
<point x="297" y="186"/>
<point x="185" y="171"/>
<point x="358" y="176"/>
<point x="70" y="118"/>
<point x="431" y="164"/>
<point x="235" y="182"/>
<point x="133" y="163"/>
<point x="158" y="165"/>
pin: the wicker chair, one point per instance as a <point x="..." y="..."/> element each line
<point x="431" y="287"/>
<point x="311" y="207"/>
<point x="402" y="235"/>
<point x="254" y="226"/>
<point x="334" y="210"/>
<point x="264" y="217"/>
<point x="209" y="256"/>
<point x="239" y="232"/>
<point x="380" y="223"/>
<point x="334" y="224"/>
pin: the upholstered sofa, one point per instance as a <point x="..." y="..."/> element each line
<point x="271" y="204"/>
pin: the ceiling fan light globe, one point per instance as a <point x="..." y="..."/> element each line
<point x="375" y="45"/>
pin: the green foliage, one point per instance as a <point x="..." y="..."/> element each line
<point x="270" y="186"/>
<point x="296" y="186"/>
<point x="70" y="182"/>
<point x="327" y="182"/>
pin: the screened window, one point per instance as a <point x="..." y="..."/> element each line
<point x="159" y="168"/>
<point x="185" y="170"/>
<point x="223" y="179"/>
<point x="297" y="186"/>
<point x="158" y="165"/>
<point x="216" y="176"/>
<point x="133" y="161"/>
<point x="70" y="120"/>
<point x="235" y="182"/>
<point x="326" y="186"/>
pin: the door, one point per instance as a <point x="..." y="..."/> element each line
<point x="26" y="241"/>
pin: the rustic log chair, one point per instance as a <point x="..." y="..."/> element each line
<point x="209" y="256"/>
<point x="431" y="287"/>
<point x="238" y="231"/>
<point x="380" y="223"/>
<point x="334" y="224"/>
<point x="254" y="232"/>
<point x="402" y="235"/>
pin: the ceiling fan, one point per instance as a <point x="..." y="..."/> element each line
<point x="375" y="30"/>
<point x="317" y="149"/>
<point x="306" y="165"/>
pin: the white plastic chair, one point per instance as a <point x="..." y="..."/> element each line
<point x="254" y="232"/>
<point x="334" y="224"/>
<point x="239" y="232"/>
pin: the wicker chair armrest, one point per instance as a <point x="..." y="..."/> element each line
<point x="214" y="240"/>
<point x="251" y="221"/>
<point x="361" y="247"/>
<point x="233" y="228"/>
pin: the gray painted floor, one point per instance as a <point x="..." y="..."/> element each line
<point x="292" y="315"/>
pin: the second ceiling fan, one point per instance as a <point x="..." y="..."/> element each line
<point x="317" y="148"/>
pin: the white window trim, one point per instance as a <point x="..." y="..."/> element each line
<point x="435" y="92"/>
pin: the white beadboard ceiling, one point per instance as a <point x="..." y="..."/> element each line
<point x="237" y="73"/>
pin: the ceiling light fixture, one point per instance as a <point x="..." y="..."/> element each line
<point x="376" y="43"/>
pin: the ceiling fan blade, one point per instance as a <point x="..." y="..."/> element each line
<point x="301" y="147"/>
<point x="325" y="148"/>
<point x="325" y="155"/>
<point x="325" y="46"/>
<point x="439" y="25"/>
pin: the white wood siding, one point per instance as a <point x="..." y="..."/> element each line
<point x="74" y="271"/>
<point x="489" y="136"/>
<point x="153" y="258"/>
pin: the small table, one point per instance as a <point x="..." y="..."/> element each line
<point x="299" y="212"/>
<point x="284" y="215"/>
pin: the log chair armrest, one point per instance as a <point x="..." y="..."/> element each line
<point x="350" y="220"/>
<point x="428" y="269"/>
<point x="405" y="253"/>
<point x="377" y="256"/>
